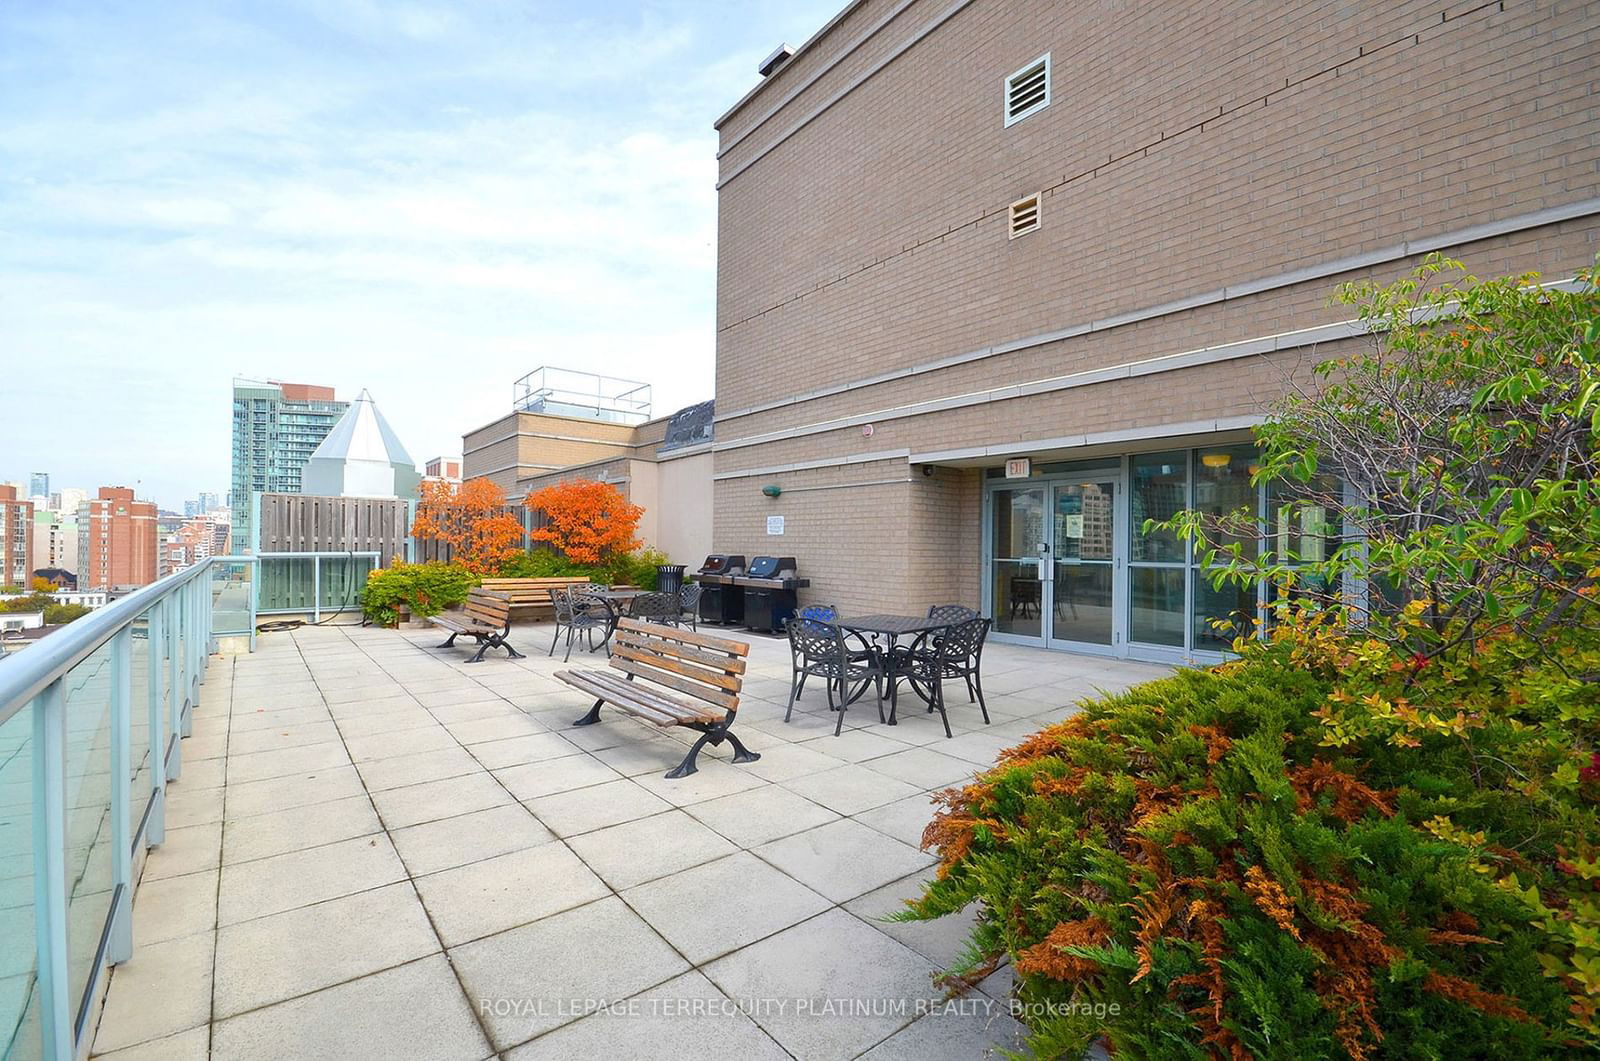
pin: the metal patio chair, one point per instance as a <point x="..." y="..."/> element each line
<point x="660" y="608"/>
<point x="951" y="613"/>
<point x="586" y="614"/>
<point x="689" y="605"/>
<point x="952" y="654"/>
<point x="825" y="651"/>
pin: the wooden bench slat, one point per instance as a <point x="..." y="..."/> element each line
<point x="648" y="642"/>
<point x="660" y="699"/>
<point x="636" y="698"/>
<point x="584" y="681"/>
<point x="727" y="701"/>
<point x="716" y="679"/>
<point x="688" y="637"/>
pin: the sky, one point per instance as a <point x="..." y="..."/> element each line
<point x="424" y="199"/>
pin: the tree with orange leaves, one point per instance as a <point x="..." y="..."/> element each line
<point x="590" y="521"/>
<point x="472" y="519"/>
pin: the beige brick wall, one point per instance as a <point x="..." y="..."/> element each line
<point x="1189" y="147"/>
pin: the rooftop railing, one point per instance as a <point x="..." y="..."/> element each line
<point x="92" y="719"/>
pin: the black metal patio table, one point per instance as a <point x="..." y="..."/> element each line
<point x="895" y="665"/>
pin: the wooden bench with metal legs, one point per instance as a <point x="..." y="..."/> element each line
<point x="670" y="677"/>
<point x="486" y="617"/>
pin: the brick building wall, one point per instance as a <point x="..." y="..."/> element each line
<point x="118" y="546"/>
<point x="1208" y="173"/>
<point x="16" y="538"/>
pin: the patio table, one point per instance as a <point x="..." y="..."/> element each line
<point x="894" y="665"/>
<point x="616" y="602"/>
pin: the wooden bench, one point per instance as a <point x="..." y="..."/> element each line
<point x="530" y="597"/>
<point x="485" y="617"/>
<point x="670" y="677"/>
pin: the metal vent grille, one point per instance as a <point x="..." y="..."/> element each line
<point x="1024" y="216"/>
<point x="1028" y="90"/>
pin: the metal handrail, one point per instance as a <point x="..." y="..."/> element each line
<point x="29" y="673"/>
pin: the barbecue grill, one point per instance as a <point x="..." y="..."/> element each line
<point x="769" y="592"/>
<point x="721" y="599"/>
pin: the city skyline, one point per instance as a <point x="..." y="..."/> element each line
<point x="427" y="203"/>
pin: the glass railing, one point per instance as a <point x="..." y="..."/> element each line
<point x="92" y="718"/>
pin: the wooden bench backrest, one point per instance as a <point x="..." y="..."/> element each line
<point x="532" y="590"/>
<point x="707" y="668"/>
<point x="488" y="607"/>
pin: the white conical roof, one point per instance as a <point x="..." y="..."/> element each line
<point x="363" y="434"/>
<point x="360" y="457"/>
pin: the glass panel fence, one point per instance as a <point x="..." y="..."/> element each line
<point x="19" y="1004"/>
<point x="90" y="852"/>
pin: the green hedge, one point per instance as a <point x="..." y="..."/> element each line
<point x="1193" y="855"/>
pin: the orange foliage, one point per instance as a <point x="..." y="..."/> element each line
<point x="589" y="520"/>
<point x="1217" y="742"/>
<point x="1469" y="993"/>
<point x="1045" y="743"/>
<point x="1351" y="800"/>
<point x="1205" y="917"/>
<point x="1049" y="959"/>
<point x="952" y="830"/>
<point x="472" y="519"/>
<point x="1271" y="899"/>
<point x="1352" y="954"/>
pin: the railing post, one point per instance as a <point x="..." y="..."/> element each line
<point x="121" y="941"/>
<point x="255" y="598"/>
<point x="155" y="828"/>
<point x="185" y="605"/>
<point x="316" y="589"/>
<point x="50" y="871"/>
<point x="169" y="624"/>
<point x="197" y="658"/>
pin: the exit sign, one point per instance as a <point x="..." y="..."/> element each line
<point x="1018" y="468"/>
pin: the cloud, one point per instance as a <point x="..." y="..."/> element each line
<point x="427" y="199"/>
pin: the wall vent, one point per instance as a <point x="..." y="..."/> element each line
<point x="1024" y="216"/>
<point x="1028" y="90"/>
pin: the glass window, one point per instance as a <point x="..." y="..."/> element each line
<point x="1155" y="614"/>
<point x="1158" y="490"/>
<point x="1222" y="489"/>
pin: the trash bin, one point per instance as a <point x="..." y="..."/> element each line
<point x="669" y="578"/>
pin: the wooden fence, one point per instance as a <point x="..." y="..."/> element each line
<point x="292" y="523"/>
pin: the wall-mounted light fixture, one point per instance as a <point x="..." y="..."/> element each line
<point x="772" y="489"/>
<point x="927" y="471"/>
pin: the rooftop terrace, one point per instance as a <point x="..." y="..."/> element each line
<point x="377" y="850"/>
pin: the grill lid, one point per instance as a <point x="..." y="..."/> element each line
<point x="770" y="566"/>
<point x="721" y="564"/>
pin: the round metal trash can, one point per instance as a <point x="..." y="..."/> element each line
<point x="669" y="578"/>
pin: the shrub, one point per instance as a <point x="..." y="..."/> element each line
<point x="424" y="589"/>
<point x="1195" y="852"/>
<point x="1375" y="833"/>
<point x="590" y="521"/>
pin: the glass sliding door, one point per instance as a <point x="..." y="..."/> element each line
<point x="1083" y="609"/>
<point x="1016" y="581"/>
